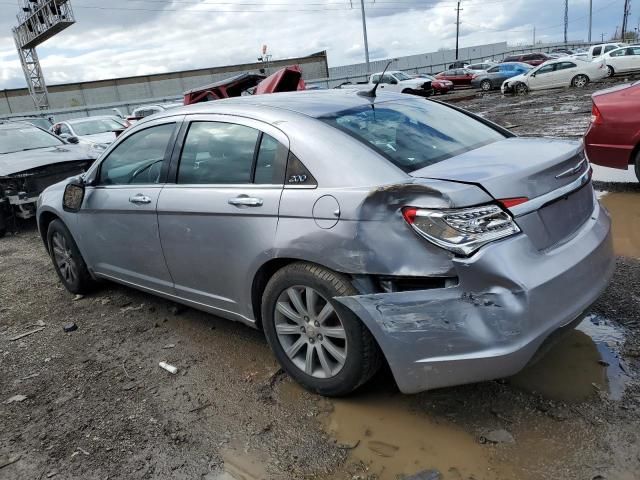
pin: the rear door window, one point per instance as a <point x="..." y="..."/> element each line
<point x="565" y="65"/>
<point x="596" y="51"/>
<point x="416" y="134"/>
<point x="608" y="48"/>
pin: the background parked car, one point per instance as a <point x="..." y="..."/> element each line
<point x="495" y="76"/>
<point x="622" y="60"/>
<point x="440" y="86"/>
<point x="458" y="64"/>
<point x="31" y="159"/>
<point x="563" y="72"/>
<point x="460" y="77"/>
<point x="98" y="132"/>
<point x="481" y="67"/>
<point x="597" y="50"/>
<point x="564" y="51"/>
<point x="613" y="138"/>
<point x="534" y="59"/>
<point x="397" y="81"/>
<point x="144" y="111"/>
<point x="41" y="122"/>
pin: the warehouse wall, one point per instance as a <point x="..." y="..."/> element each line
<point x="99" y="97"/>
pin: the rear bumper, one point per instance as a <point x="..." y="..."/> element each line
<point x="605" y="154"/>
<point x="510" y="298"/>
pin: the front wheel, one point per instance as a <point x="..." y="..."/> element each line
<point x="485" y="85"/>
<point x="319" y="343"/>
<point x="610" y="71"/>
<point x="637" y="165"/>
<point x="67" y="260"/>
<point x="580" y="81"/>
<point x="521" y="89"/>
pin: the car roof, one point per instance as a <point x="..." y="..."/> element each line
<point x="312" y="103"/>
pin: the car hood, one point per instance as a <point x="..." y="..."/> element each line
<point x="514" y="167"/>
<point x="11" y="163"/>
<point x="98" y="138"/>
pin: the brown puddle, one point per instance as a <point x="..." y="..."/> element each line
<point x="392" y="440"/>
<point x="625" y="211"/>
<point x="578" y="364"/>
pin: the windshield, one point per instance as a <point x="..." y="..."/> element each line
<point x="26" y="138"/>
<point x="401" y="76"/>
<point x="414" y="135"/>
<point x="93" y="127"/>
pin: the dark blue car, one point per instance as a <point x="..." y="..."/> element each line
<point x="495" y="76"/>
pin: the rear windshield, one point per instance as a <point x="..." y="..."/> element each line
<point x="414" y="135"/>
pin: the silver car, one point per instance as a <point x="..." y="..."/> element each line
<point x="353" y="230"/>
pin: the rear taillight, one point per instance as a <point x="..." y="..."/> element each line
<point x="596" y="116"/>
<point x="461" y="231"/>
<point x="512" y="202"/>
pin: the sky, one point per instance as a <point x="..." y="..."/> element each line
<point x="140" y="37"/>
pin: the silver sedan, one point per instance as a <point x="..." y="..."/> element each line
<point x="353" y="229"/>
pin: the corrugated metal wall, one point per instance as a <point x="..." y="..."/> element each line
<point x="100" y="97"/>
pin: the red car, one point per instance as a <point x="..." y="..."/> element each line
<point x="458" y="76"/>
<point x="440" y="86"/>
<point x="613" y="138"/>
<point x="534" y="59"/>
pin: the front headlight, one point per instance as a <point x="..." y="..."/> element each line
<point x="464" y="230"/>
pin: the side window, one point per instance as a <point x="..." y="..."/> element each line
<point x="217" y="153"/>
<point x="608" y="48"/>
<point x="597" y="51"/>
<point x="636" y="51"/>
<point x="617" y="53"/>
<point x="546" y="69"/>
<point x="565" y="65"/>
<point x="495" y="69"/>
<point x="375" y="78"/>
<point x="64" y="129"/>
<point x="387" y="79"/>
<point x="297" y="173"/>
<point x="271" y="162"/>
<point x="138" y="159"/>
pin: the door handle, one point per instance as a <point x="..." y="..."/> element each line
<point x="140" y="199"/>
<point x="246" y="202"/>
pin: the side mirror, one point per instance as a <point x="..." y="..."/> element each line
<point x="73" y="195"/>
<point x="72" y="139"/>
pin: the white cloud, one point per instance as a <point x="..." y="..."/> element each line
<point x="187" y="34"/>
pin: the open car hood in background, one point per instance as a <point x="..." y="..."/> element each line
<point x="286" y="79"/>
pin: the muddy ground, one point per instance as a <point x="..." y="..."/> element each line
<point x="98" y="406"/>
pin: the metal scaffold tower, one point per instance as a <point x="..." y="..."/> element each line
<point x="38" y="21"/>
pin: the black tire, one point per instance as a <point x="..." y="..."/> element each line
<point x="363" y="357"/>
<point x="610" y="71"/>
<point x="637" y="165"/>
<point x="75" y="278"/>
<point x="485" y="85"/>
<point x="3" y="232"/>
<point x="580" y="81"/>
<point x="520" y="89"/>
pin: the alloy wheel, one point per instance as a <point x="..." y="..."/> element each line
<point x="580" y="81"/>
<point x="310" y="332"/>
<point x="486" y="86"/>
<point x="63" y="257"/>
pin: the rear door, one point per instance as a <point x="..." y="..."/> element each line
<point x="565" y="71"/>
<point x="218" y="219"/>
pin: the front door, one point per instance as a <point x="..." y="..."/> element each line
<point x="218" y="220"/>
<point x="544" y="78"/>
<point x="118" y="218"/>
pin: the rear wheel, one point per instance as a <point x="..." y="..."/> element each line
<point x="580" y="81"/>
<point x="637" y="165"/>
<point x="319" y="343"/>
<point x="610" y="71"/>
<point x="67" y="260"/>
<point x="485" y="85"/>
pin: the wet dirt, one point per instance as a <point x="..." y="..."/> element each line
<point x="625" y="210"/>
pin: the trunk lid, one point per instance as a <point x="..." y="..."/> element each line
<point x="514" y="167"/>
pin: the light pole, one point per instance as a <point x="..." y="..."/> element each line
<point x="590" y="18"/>
<point x="457" y="27"/>
<point x="364" y="32"/>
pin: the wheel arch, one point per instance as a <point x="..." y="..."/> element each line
<point x="44" y="220"/>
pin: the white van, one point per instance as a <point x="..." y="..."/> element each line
<point x="596" y="50"/>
